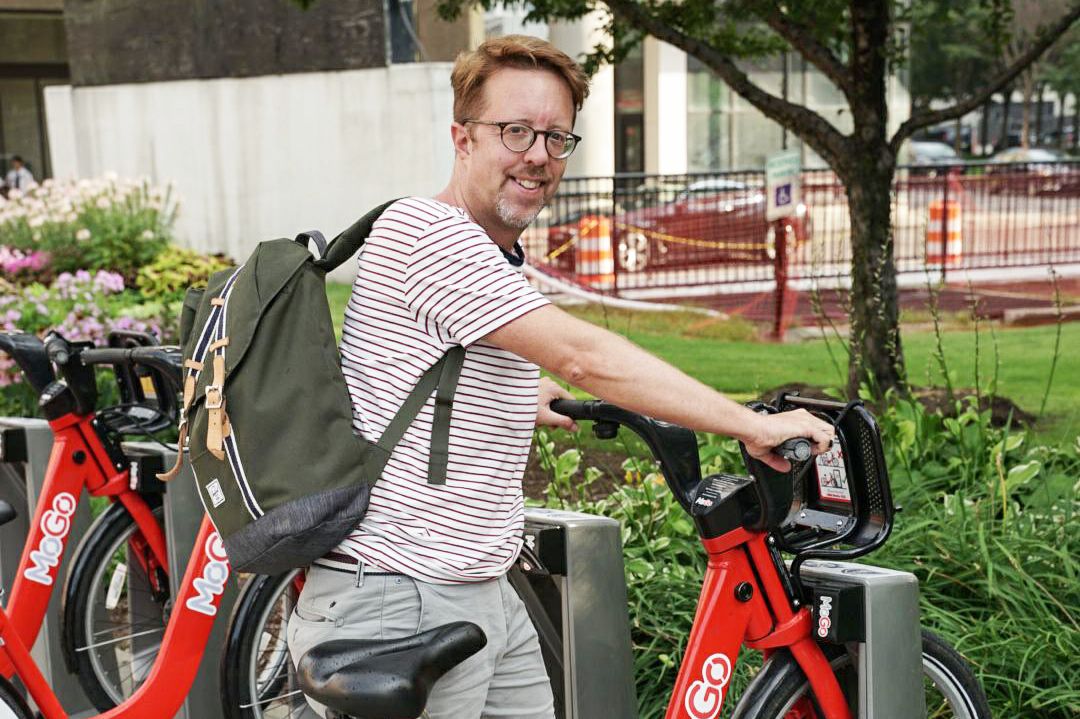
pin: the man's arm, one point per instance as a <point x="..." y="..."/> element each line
<point x="612" y="368"/>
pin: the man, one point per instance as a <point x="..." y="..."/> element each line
<point x="19" y="176"/>
<point x="442" y="272"/>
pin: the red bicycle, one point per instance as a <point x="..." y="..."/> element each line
<point x="840" y="640"/>
<point x="85" y="455"/>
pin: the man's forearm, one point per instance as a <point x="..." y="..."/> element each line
<point x="609" y="366"/>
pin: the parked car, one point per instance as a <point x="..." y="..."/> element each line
<point x="927" y="157"/>
<point x="714" y="220"/>
<point x="1033" y="171"/>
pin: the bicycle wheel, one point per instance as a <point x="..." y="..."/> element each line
<point x="12" y="705"/>
<point x="114" y="616"/>
<point x="258" y="680"/>
<point x="952" y="691"/>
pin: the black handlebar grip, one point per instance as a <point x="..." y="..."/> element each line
<point x="57" y="348"/>
<point x="574" y="408"/>
<point x="796" y="449"/>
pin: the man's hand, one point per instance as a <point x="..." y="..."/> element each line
<point x="545" y="417"/>
<point x="771" y="431"/>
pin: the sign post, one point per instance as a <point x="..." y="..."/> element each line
<point x="782" y="184"/>
<point x="783" y="194"/>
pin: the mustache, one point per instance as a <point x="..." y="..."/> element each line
<point x="533" y="173"/>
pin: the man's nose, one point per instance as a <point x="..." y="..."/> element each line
<point x="537" y="154"/>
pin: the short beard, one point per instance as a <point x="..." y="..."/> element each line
<point x="509" y="218"/>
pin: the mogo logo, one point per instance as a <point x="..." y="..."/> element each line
<point x="55" y="523"/>
<point x="212" y="581"/>
<point x="824" y="616"/>
<point x="704" y="695"/>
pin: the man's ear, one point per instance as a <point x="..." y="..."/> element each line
<point x="459" y="134"/>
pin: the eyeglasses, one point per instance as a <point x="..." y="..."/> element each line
<point x="518" y="137"/>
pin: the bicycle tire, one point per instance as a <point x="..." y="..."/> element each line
<point x="258" y="680"/>
<point x="110" y="643"/>
<point x="953" y="690"/>
<point x="12" y="705"/>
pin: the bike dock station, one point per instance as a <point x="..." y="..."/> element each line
<point x="876" y="609"/>
<point x="575" y="592"/>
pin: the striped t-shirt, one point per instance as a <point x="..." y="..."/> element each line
<point x="430" y="278"/>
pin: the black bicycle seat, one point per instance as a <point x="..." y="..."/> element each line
<point x="7" y="512"/>
<point x="387" y="679"/>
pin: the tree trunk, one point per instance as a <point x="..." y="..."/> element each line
<point x="984" y="129"/>
<point x="958" y="140"/>
<point x="867" y="170"/>
<point x="877" y="355"/>
<point x="1076" y="122"/>
<point x="1063" y="97"/>
<point x="1006" y="105"/>
<point x="1026" y="86"/>
<point x="1039" y="113"/>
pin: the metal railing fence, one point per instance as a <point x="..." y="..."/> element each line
<point x="634" y="232"/>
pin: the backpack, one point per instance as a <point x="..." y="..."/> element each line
<point x="267" y="414"/>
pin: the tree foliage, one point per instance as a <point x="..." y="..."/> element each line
<point x="855" y="44"/>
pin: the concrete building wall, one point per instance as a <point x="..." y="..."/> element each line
<point x="665" y="108"/>
<point x="258" y="158"/>
<point x="122" y="41"/>
<point x="595" y="157"/>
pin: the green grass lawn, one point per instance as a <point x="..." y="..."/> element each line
<point x="726" y="356"/>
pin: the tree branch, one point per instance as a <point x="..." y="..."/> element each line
<point x="1046" y="38"/>
<point x="815" y="130"/>
<point x="800" y="38"/>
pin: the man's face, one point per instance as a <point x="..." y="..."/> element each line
<point x="505" y="190"/>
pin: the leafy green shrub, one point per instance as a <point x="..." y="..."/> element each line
<point x="102" y="224"/>
<point x="175" y="270"/>
<point x="988" y="527"/>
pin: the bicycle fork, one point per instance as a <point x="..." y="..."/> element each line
<point x="743" y="601"/>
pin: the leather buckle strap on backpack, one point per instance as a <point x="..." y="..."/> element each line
<point x="215" y="398"/>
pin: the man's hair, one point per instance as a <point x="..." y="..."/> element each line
<point x="16" y="158"/>
<point x="472" y="69"/>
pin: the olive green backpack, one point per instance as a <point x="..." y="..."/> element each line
<point x="268" y="416"/>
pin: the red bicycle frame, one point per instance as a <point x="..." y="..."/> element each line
<point x="79" y="460"/>
<point x="743" y="602"/>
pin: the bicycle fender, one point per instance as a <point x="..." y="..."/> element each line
<point x="773" y="675"/>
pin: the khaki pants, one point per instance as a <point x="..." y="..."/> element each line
<point x="505" y="679"/>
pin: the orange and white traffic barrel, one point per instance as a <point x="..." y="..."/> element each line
<point x="594" y="260"/>
<point x="943" y="239"/>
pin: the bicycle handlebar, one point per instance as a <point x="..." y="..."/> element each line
<point x="675" y="447"/>
<point x="163" y="359"/>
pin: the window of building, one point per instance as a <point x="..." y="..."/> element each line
<point x="630" y="112"/>
<point x="708" y="105"/>
<point x="33" y="55"/>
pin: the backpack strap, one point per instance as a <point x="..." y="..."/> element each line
<point x="444" y="403"/>
<point x="441" y="378"/>
<point x="194" y="366"/>
<point x="345" y="245"/>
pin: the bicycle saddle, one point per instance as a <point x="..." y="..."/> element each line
<point x="390" y="679"/>
<point x="7" y="512"/>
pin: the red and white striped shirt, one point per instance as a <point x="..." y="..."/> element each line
<point x="430" y="278"/>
